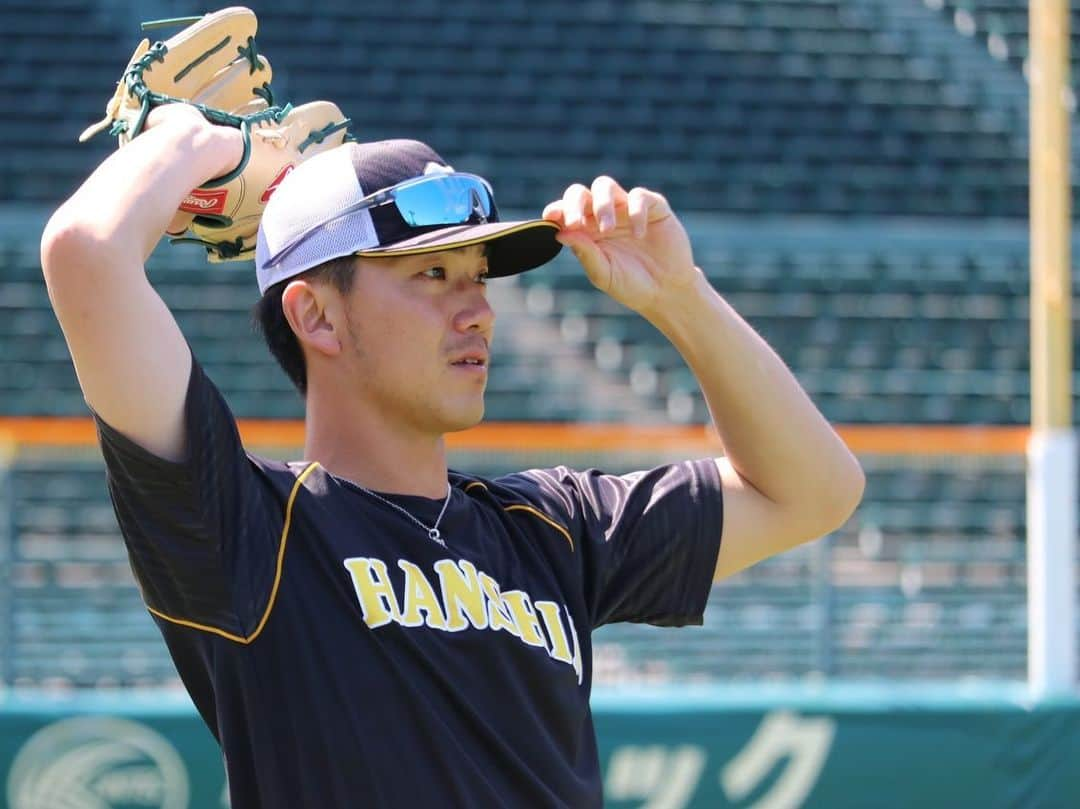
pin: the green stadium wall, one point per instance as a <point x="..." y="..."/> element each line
<point x="760" y="747"/>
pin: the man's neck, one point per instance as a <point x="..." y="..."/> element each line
<point x="366" y="452"/>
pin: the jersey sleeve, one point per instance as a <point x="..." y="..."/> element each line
<point x="646" y="543"/>
<point x="201" y="533"/>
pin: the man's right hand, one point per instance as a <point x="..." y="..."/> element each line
<point x="225" y="139"/>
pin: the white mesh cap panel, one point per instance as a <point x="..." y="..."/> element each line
<point x="312" y="193"/>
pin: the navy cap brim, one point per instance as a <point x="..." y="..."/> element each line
<point x="514" y="246"/>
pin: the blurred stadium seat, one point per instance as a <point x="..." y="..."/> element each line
<point x="741" y="106"/>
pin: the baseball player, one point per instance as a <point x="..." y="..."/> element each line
<point x="365" y="627"/>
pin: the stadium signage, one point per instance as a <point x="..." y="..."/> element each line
<point x="97" y="761"/>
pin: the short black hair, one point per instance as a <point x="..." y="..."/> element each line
<point x="269" y="316"/>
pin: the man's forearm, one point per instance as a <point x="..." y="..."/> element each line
<point x="773" y="434"/>
<point x="129" y="200"/>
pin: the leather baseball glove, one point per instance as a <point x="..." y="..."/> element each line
<point x="214" y="65"/>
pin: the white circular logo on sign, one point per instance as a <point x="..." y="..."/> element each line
<point x="97" y="762"/>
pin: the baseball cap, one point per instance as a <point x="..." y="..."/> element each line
<point x="338" y="204"/>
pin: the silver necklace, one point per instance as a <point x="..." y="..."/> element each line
<point x="433" y="531"/>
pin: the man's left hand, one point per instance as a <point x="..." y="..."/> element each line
<point x="630" y="243"/>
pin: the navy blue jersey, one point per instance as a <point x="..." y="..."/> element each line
<point x="342" y="658"/>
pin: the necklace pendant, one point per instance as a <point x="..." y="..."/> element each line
<point x="433" y="534"/>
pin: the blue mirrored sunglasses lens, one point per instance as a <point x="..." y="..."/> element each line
<point x="445" y="200"/>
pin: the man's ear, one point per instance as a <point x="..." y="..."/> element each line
<point x="312" y="311"/>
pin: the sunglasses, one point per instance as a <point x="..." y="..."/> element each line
<point x="434" y="199"/>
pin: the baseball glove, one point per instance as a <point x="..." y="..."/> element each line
<point x="213" y="64"/>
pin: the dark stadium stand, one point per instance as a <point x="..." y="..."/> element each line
<point x="881" y="323"/>
<point x="739" y="106"/>
<point x="927" y="581"/>
<point x="75" y="615"/>
<point x="1000" y="25"/>
<point x="857" y="195"/>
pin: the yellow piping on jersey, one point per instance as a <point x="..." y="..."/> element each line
<point x="531" y="510"/>
<point x="277" y="575"/>
<point x="544" y="517"/>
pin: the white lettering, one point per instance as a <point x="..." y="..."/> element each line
<point x="664" y="778"/>
<point x="804" y="741"/>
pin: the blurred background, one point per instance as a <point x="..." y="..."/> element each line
<point x="854" y="177"/>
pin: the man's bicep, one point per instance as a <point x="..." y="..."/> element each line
<point x="202" y="533"/>
<point x="755" y="527"/>
<point x="131" y="359"/>
<point x="645" y="542"/>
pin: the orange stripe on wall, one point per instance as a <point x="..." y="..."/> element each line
<point x="500" y="436"/>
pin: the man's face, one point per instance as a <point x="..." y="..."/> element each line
<point x="419" y="330"/>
